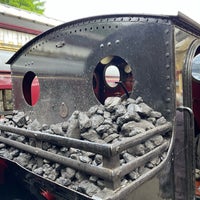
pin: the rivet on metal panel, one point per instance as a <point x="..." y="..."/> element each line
<point x="167" y="54"/>
<point x="168" y="111"/>
<point x="101" y="45"/>
<point x="117" y="42"/>
<point x="168" y="100"/>
<point x="63" y="110"/>
<point x="167" y="77"/>
<point x="167" y="43"/>
<point x="109" y="44"/>
<point x="167" y="66"/>
<point x="168" y="88"/>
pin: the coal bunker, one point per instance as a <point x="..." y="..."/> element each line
<point x="115" y="121"/>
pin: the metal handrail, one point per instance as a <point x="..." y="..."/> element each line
<point x="111" y="173"/>
<point x="106" y="150"/>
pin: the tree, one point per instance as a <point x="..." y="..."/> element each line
<point x="36" y="6"/>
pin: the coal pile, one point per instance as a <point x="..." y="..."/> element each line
<point x="112" y="122"/>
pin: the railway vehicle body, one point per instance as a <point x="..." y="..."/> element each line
<point x="80" y="64"/>
<point x="17" y="27"/>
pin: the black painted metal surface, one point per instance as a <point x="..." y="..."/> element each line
<point x="29" y="186"/>
<point x="64" y="59"/>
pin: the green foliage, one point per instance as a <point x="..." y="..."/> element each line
<point x="36" y="6"/>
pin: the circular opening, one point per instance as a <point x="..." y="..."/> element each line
<point x="112" y="75"/>
<point x="196" y="67"/>
<point x="31" y="88"/>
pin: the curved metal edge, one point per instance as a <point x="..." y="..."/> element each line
<point x="120" y="194"/>
<point x="79" y="21"/>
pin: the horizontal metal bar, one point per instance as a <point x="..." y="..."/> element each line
<point x="140" y="161"/>
<point x="102" y="149"/>
<point x="89" y="169"/>
<point x="118" y="147"/>
<point x="106" y="150"/>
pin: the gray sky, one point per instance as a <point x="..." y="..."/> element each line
<point x="75" y="9"/>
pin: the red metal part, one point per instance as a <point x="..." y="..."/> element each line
<point x="19" y="28"/>
<point x="5" y="80"/>
<point x="47" y="195"/>
<point x="35" y="91"/>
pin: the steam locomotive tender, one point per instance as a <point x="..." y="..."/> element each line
<point x="108" y="66"/>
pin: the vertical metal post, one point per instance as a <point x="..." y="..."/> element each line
<point x="112" y="163"/>
<point x="38" y="144"/>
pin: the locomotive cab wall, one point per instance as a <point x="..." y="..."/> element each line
<point x="65" y="62"/>
<point x="65" y="69"/>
